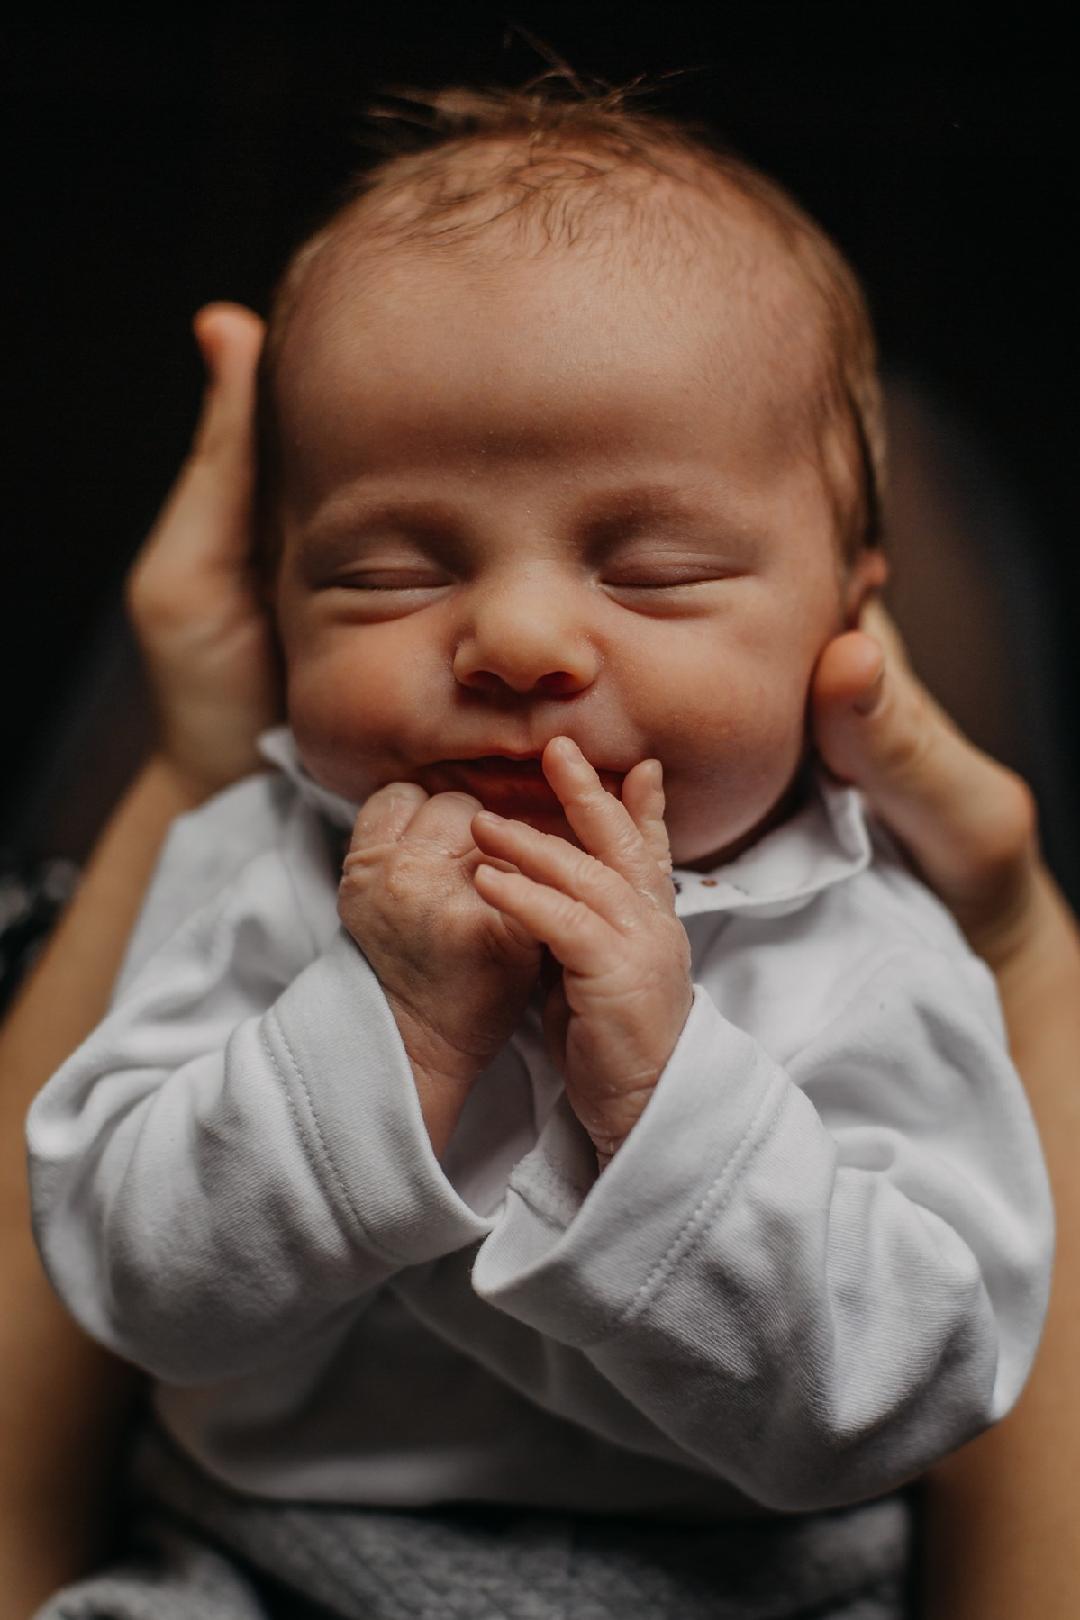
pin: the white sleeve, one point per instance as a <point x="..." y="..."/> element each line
<point x="816" y="1280"/>
<point x="237" y="1153"/>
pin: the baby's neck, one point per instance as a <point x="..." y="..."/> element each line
<point x="785" y="807"/>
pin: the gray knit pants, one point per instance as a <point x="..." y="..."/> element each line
<point x="200" y="1552"/>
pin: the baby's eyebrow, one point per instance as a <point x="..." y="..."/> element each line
<point x="600" y="520"/>
<point x="623" y="507"/>
<point x="616" y="515"/>
<point x="337" y="530"/>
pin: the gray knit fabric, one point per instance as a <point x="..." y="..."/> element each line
<point x="200" y="1552"/>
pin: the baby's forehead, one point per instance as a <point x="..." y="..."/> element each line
<point x="685" y="234"/>
<point x="705" y="257"/>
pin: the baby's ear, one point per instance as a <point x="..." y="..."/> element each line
<point x="864" y="578"/>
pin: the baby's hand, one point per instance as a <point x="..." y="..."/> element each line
<point x="606" y="912"/>
<point x="456" y="972"/>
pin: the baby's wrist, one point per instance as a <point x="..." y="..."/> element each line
<point x="441" y="1102"/>
<point x="444" y="1074"/>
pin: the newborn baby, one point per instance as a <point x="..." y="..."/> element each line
<point x="621" y="1129"/>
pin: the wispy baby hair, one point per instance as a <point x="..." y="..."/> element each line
<point x="561" y="164"/>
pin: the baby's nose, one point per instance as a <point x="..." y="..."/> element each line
<point x="528" y="641"/>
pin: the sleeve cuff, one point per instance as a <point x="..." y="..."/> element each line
<point x="352" y="1090"/>
<point x="578" y="1261"/>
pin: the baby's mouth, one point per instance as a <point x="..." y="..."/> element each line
<point x="510" y="787"/>
<point x="499" y="765"/>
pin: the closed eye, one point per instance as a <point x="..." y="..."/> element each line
<point x="670" y="589"/>
<point x="667" y="579"/>
<point x="389" y="579"/>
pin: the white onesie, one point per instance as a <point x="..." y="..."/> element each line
<point x="820" y="1260"/>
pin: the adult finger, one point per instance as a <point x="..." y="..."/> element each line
<point x="230" y="340"/>
<point x="967" y="821"/>
<point x="205" y="524"/>
<point x="216" y="483"/>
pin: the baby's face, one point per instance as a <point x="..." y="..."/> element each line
<point x="549" y="497"/>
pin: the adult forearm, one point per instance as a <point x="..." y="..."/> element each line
<point x="68" y="990"/>
<point x="1001" y="1531"/>
<point x="62" y="1400"/>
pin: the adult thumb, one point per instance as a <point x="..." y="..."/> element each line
<point x="967" y="821"/>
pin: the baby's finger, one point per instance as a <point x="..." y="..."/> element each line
<point x="555" y="1022"/>
<point x="560" y="865"/>
<point x="643" y="796"/>
<point x="602" y="823"/>
<point x="386" y="815"/>
<point x="573" y="933"/>
<point x="445" y="822"/>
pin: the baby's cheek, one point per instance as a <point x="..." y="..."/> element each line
<point x="345" y="719"/>
<point x="740" y="762"/>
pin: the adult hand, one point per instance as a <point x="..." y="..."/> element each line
<point x="192" y="592"/>
<point x="968" y="822"/>
<point x="63" y="1401"/>
<point x="999" y="1538"/>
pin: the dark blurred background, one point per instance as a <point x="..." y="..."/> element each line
<point x="165" y="160"/>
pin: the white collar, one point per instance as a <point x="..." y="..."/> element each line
<point x="279" y="748"/>
<point x="825" y="842"/>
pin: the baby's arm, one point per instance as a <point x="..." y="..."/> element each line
<point x="789" y="1271"/>
<point x="238" y="1151"/>
<point x="809" y="1289"/>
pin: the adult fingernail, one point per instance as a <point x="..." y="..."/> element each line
<point x="868" y="701"/>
